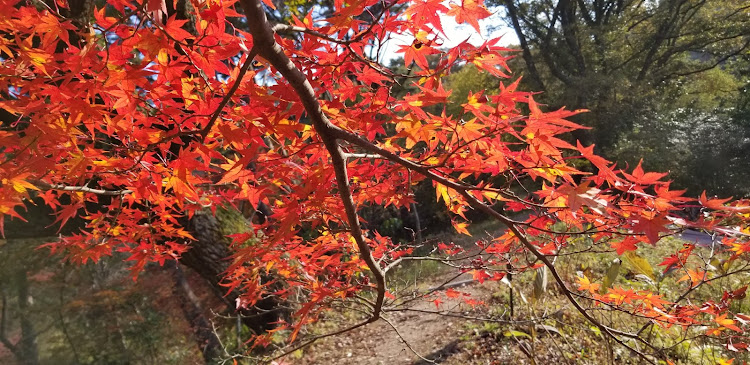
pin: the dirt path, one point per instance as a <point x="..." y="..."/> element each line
<point x="433" y="336"/>
<point x="426" y="338"/>
<point x="429" y="338"/>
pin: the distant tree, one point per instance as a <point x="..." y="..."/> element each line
<point x="703" y="150"/>
<point x="55" y="313"/>
<point x="620" y="57"/>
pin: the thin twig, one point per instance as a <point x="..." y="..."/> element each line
<point x="84" y="189"/>
<point x="320" y="337"/>
<point x="230" y="93"/>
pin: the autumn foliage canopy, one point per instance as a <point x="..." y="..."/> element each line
<point x="138" y="118"/>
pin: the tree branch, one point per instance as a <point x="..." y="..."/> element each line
<point x="527" y="56"/>
<point x="268" y="48"/>
<point x="477" y="204"/>
<point x="263" y="38"/>
<point x="230" y="93"/>
<point x="84" y="189"/>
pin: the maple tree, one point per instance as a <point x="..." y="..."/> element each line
<point x="140" y="120"/>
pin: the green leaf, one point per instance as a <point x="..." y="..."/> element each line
<point x="540" y="283"/>
<point x="612" y="273"/>
<point x="513" y="333"/>
<point x="639" y="264"/>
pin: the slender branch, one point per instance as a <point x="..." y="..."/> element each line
<point x="479" y="205"/>
<point x="84" y="189"/>
<point x="320" y="337"/>
<point x="263" y="38"/>
<point x="710" y="66"/>
<point x="696" y="286"/>
<point x="286" y="28"/>
<point x="560" y="282"/>
<point x="426" y="293"/>
<point x="230" y="93"/>
<point x="399" y="260"/>
<point x="406" y="343"/>
<point x="268" y="48"/>
<point x="361" y="155"/>
<point x="475" y="318"/>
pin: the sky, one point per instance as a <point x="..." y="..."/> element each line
<point x="492" y="27"/>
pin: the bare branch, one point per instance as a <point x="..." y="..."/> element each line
<point x="320" y="337"/>
<point x="84" y="189"/>
<point x="406" y="343"/>
<point x="361" y="155"/>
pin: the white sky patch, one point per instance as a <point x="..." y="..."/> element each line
<point x="492" y="27"/>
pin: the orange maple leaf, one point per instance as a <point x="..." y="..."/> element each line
<point x="695" y="276"/>
<point x="418" y="51"/>
<point x="585" y="284"/>
<point x="725" y="322"/>
<point x="470" y="12"/>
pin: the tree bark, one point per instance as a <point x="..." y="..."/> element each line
<point x="28" y="345"/>
<point x="209" y="256"/>
<point x="525" y="49"/>
<point x="207" y="339"/>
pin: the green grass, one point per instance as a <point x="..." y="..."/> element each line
<point x="565" y="336"/>
<point x="698" y="350"/>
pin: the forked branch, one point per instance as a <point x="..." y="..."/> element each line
<point x="268" y="48"/>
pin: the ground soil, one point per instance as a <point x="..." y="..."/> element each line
<point x="425" y="338"/>
<point x="429" y="335"/>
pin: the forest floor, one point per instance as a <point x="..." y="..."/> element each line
<point x="460" y="333"/>
<point x="544" y="331"/>
<point x="414" y="337"/>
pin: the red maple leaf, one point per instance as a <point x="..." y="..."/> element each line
<point x="651" y="226"/>
<point x="424" y="12"/>
<point x="470" y="12"/>
<point x="627" y="244"/>
<point x="639" y="177"/>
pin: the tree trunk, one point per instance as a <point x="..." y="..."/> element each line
<point x="210" y="257"/>
<point x="207" y="339"/>
<point x="27" y="346"/>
